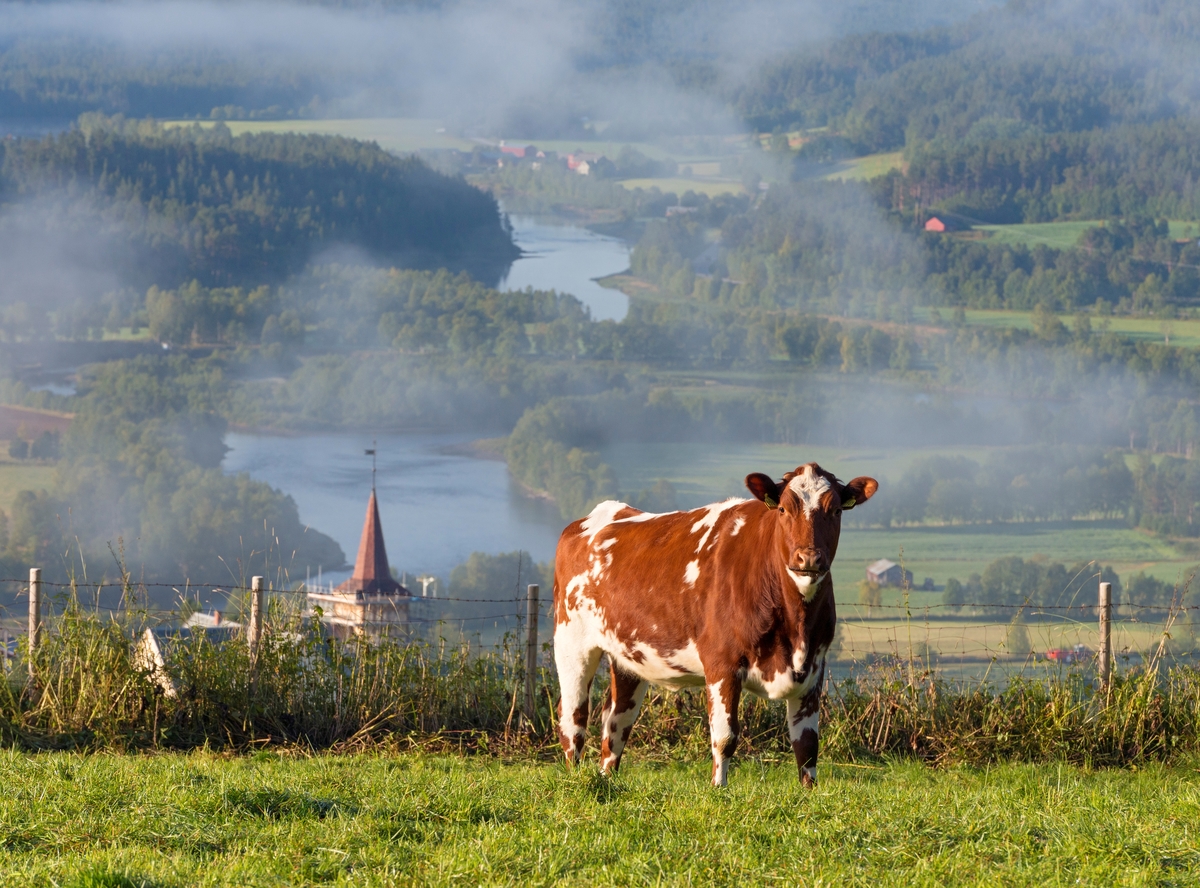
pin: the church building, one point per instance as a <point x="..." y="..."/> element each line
<point x="371" y="602"/>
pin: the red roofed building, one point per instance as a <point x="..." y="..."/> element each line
<point x="371" y="601"/>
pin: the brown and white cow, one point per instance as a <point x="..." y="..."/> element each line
<point x="734" y="595"/>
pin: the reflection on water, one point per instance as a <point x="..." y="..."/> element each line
<point x="567" y="258"/>
<point x="437" y="507"/>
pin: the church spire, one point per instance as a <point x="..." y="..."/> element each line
<point x="372" y="573"/>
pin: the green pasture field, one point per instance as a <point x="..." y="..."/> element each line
<point x="106" y="821"/>
<point x="710" y="187"/>
<point x="1063" y="235"/>
<point x="868" y="167"/>
<point x="1183" y="332"/>
<point x="17" y="475"/>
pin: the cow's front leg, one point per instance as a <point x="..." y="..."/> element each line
<point x="803" y="714"/>
<point x="723" y="697"/>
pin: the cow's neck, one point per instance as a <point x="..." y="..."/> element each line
<point x="777" y="603"/>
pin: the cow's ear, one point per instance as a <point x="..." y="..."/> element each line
<point x="763" y="488"/>
<point x="858" y="491"/>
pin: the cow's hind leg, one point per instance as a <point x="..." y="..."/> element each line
<point x="723" y="698"/>
<point x="802" y="715"/>
<point x="576" y="668"/>
<point x="621" y="711"/>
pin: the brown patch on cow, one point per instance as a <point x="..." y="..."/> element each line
<point x="806" y="750"/>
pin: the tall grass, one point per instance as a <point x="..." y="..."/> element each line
<point x="89" y="691"/>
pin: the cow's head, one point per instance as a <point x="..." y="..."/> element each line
<point x="808" y="505"/>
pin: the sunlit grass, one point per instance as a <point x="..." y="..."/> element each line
<point x="868" y="167"/>
<point x="17" y="475"/>
<point x="203" y="820"/>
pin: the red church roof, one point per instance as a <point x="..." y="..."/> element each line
<point x="372" y="574"/>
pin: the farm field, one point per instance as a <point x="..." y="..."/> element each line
<point x="204" y="820"/>
<point x="868" y="167"/>
<point x="1063" y="235"/>
<point x="21" y="475"/>
<point x="1182" y="332"/>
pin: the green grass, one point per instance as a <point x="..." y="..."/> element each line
<point x="1181" y="332"/>
<point x="1064" y="235"/>
<point x="681" y="186"/>
<point x="1060" y="235"/>
<point x="868" y="167"/>
<point x="203" y="820"/>
<point x="21" y="475"/>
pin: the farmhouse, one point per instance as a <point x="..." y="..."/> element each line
<point x="371" y="602"/>
<point x="888" y="573"/>
<point x="521" y="151"/>
<point x="943" y="224"/>
<point x="582" y="162"/>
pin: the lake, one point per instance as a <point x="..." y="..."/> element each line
<point x="437" y="505"/>
<point x="568" y="258"/>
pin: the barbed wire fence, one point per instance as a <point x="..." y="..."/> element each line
<point x="977" y="640"/>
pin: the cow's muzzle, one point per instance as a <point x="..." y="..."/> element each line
<point x="808" y="562"/>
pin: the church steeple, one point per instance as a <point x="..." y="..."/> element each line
<point x="372" y="573"/>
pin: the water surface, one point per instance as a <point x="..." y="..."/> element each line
<point x="437" y="506"/>
<point x="568" y="258"/>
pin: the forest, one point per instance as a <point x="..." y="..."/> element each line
<point x="171" y="205"/>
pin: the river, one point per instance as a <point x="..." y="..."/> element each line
<point x="437" y="504"/>
<point x="568" y="258"/>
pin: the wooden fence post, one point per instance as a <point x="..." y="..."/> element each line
<point x="531" y="640"/>
<point x="254" y="627"/>
<point x="1104" y="654"/>
<point x="35" y="615"/>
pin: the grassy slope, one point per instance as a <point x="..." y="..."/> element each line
<point x="1063" y="235"/>
<point x="202" y="820"/>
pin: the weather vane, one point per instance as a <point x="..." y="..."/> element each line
<point x="371" y="453"/>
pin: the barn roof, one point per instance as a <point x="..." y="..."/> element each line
<point x="881" y="565"/>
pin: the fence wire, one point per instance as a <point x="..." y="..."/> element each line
<point x="971" y="639"/>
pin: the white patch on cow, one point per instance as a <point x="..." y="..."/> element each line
<point x="798" y="656"/>
<point x="797" y="727"/>
<point x="608" y="543"/>
<point x="806" y="584"/>
<point x="809" y="487"/>
<point x="738" y="523"/>
<point x="587" y="629"/>
<point x="692" y="573"/>
<point x="687" y="659"/>
<point x="709" y="521"/>
<point x="780" y="686"/>
<point x="605" y="515"/>
<point x="720" y="729"/>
